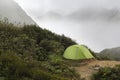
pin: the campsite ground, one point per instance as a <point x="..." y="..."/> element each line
<point x="86" y="70"/>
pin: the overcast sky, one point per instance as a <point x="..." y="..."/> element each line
<point x="95" y="23"/>
<point x="65" y="6"/>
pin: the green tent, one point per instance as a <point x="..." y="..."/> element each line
<point x="76" y="52"/>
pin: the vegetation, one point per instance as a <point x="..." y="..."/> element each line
<point x="33" y="53"/>
<point x="103" y="58"/>
<point x="108" y="73"/>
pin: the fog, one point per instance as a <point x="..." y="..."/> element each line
<point x="96" y="35"/>
<point x="95" y="23"/>
<point x="13" y="12"/>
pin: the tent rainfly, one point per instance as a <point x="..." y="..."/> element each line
<point x="76" y="52"/>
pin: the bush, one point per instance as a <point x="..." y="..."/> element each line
<point x="107" y="73"/>
<point x="38" y="74"/>
<point x="24" y="49"/>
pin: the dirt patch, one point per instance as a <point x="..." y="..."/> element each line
<point x="91" y="67"/>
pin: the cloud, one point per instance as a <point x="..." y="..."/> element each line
<point x="79" y="9"/>
<point x="94" y="23"/>
<point x="85" y="14"/>
<point x="50" y="15"/>
<point x="96" y="14"/>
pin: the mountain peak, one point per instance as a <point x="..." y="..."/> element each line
<point x="14" y="13"/>
<point x="112" y="53"/>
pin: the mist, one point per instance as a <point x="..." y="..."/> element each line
<point x="97" y="35"/>
<point x="94" y="23"/>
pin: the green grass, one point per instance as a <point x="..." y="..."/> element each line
<point x="1" y="78"/>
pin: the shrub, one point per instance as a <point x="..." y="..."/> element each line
<point x="23" y="49"/>
<point x="107" y="73"/>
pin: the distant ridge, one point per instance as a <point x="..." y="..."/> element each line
<point x="112" y="53"/>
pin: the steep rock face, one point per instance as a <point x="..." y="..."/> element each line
<point x="113" y="53"/>
<point x="14" y="13"/>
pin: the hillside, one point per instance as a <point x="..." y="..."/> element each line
<point x="113" y="53"/>
<point x="14" y="13"/>
<point x="32" y="53"/>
